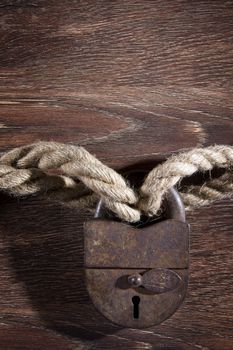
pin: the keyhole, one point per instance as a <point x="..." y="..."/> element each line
<point x="135" y="301"/>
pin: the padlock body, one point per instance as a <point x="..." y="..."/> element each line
<point x="114" y="251"/>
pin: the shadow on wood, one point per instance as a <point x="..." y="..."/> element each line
<point x="44" y="246"/>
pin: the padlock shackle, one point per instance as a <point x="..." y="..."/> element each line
<point x="174" y="206"/>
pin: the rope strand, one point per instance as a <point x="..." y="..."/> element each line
<point x="168" y="174"/>
<point x="77" y="163"/>
<point x="82" y="178"/>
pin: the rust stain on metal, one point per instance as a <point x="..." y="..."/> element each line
<point x="114" y="244"/>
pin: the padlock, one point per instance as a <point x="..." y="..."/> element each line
<point x="138" y="276"/>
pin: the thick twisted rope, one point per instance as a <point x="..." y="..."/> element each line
<point x="79" y="179"/>
<point x="177" y="167"/>
<point x="74" y="162"/>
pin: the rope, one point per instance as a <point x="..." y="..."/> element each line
<point x="177" y="167"/>
<point x="74" y="163"/>
<point x="71" y="175"/>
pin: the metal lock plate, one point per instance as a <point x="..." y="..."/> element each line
<point x="138" y="277"/>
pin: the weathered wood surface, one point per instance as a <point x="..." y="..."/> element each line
<point x="132" y="81"/>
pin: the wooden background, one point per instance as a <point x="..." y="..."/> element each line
<point x="132" y="81"/>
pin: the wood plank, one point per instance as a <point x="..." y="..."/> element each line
<point x="133" y="82"/>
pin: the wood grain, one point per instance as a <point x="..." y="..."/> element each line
<point x="133" y="81"/>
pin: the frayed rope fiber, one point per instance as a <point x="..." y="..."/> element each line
<point x="71" y="175"/>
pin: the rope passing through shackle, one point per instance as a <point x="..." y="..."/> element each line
<point x="71" y="175"/>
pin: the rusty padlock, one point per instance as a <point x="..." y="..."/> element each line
<point x="138" y="277"/>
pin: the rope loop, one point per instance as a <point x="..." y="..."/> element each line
<point x="71" y="175"/>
